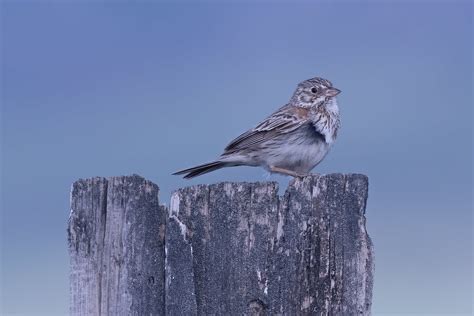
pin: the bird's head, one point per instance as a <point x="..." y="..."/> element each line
<point x="314" y="92"/>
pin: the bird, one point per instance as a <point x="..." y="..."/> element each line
<point x="291" y="141"/>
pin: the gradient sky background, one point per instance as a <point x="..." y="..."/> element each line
<point x="102" y="89"/>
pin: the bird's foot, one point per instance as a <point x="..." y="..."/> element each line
<point x="287" y="172"/>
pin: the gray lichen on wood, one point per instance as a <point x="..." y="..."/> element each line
<point x="228" y="248"/>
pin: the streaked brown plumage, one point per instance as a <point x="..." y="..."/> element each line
<point x="291" y="141"/>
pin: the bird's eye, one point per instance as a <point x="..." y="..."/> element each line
<point x="314" y="90"/>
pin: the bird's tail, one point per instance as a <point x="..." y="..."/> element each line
<point x="202" y="169"/>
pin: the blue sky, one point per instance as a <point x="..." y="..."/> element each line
<point x="102" y="89"/>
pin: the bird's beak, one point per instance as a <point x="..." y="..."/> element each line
<point x="332" y="92"/>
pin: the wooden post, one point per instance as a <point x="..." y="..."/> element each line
<point x="228" y="248"/>
<point x="116" y="245"/>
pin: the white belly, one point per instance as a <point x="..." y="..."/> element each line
<point x="301" y="158"/>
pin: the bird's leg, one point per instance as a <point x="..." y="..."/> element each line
<point x="286" y="172"/>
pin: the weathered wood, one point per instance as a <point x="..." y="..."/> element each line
<point x="228" y="248"/>
<point x="116" y="244"/>
<point x="254" y="253"/>
<point x="230" y="229"/>
<point x="323" y="258"/>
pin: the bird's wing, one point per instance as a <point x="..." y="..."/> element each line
<point x="286" y="119"/>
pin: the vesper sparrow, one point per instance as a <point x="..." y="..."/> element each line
<point x="291" y="141"/>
